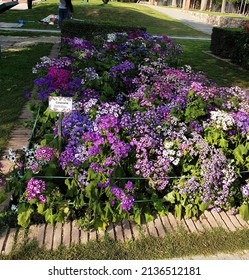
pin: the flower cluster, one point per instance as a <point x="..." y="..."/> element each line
<point x="45" y="154"/>
<point x="242" y="121"/>
<point x="222" y="120"/>
<point x="127" y="200"/>
<point x="35" y="189"/>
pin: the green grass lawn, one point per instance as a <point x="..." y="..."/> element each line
<point x="134" y="14"/>
<point x="16" y="73"/>
<point x="197" y="55"/>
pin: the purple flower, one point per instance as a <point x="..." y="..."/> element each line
<point x="45" y="154"/>
<point x="129" y="186"/>
<point x="245" y="190"/>
<point x="127" y="202"/>
<point x="34" y="189"/>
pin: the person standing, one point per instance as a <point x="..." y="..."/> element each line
<point x="65" y="11"/>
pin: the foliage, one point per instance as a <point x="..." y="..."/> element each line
<point x="87" y="29"/>
<point x="144" y="136"/>
<point x="231" y="44"/>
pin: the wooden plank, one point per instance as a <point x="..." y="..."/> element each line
<point x="199" y="226"/>
<point x="219" y="220"/>
<point x="101" y="235"/>
<point x="228" y="222"/>
<point x="152" y="229"/>
<point x="21" y="235"/>
<point x="204" y="222"/>
<point x="10" y="241"/>
<point x="57" y="240"/>
<point x="183" y="224"/>
<point x="241" y="221"/>
<point x="119" y="232"/>
<point x="235" y="221"/>
<point x="127" y="230"/>
<point x="93" y="235"/>
<point x="48" y="241"/>
<point x="110" y="231"/>
<point x="190" y="225"/>
<point x="144" y="229"/>
<point x="211" y="219"/>
<point x="32" y="232"/>
<point x="173" y="221"/>
<point x="159" y="227"/>
<point x="135" y="231"/>
<point x="41" y="234"/>
<point x="75" y="233"/>
<point x="66" y="237"/>
<point x="3" y="237"/>
<point x="166" y="224"/>
<point x="83" y="236"/>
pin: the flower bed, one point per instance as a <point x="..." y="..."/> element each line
<point x="145" y="136"/>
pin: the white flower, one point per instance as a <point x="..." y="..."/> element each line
<point x="222" y="119"/>
<point x="165" y="153"/>
<point x="14" y="207"/>
<point x="111" y="37"/>
<point x="171" y="152"/>
<point x="168" y="145"/>
<point x="178" y="153"/>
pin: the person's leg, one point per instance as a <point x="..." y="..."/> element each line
<point x="63" y="14"/>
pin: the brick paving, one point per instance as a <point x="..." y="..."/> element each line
<point x="70" y="234"/>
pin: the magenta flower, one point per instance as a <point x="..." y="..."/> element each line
<point x="45" y="154"/>
<point x="34" y="190"/>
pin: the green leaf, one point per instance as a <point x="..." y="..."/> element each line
<point x="244" y="212"/>
<point x="188" y="211"/>
<point x="170" y="197"/>
<point x="178" y="211"/>
<point x="24" y="215"/>
<point x="137" y="216"/>
<point x="203" y="206"/>
<point x="100" y="224"/>
<point x="238" y="152"/>
<point x="223" y="143"/>
<point x="3" y="197"/>
<point x="40" y="208"/>
<point x="50" y="217"/>
<point x="148" y="217"/>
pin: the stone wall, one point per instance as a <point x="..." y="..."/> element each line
<point x="219" y="21"/>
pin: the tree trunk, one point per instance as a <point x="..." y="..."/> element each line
<point x="210" y="5"/>
<point x="174" y="3"/>
<point x="244" y="10"/>
<point x="203" y="5"/>
<point x="223" y="6"/>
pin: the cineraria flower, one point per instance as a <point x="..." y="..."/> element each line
<point x="60" y="76"/>
<point x="12" y="155"/>
<point x="14" y="208"/>
<point x="45" y="154"/>
<point x="221" y="119"/>
<point x="127" y="200"/>
<point x="242" y="121"/>
<point x="245" y="190"/>
<point x="111" y="37"/>
<point x="34" y="190"/>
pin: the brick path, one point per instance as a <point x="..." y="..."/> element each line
<point x="69" y="233"/>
